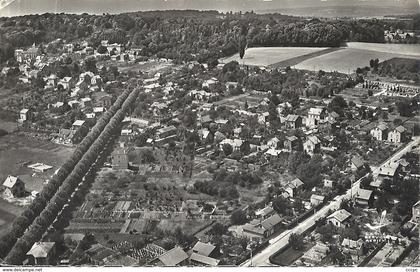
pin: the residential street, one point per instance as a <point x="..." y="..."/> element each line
<point x="262" y="258"/>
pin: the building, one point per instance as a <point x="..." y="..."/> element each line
<point x="315" y="115"/>
<point x="312" y="145"/>
<point x="356" y="163"/>
<point x="291" y="143"/>
<point x="329" y="183"/>
<point x="416" y="213"/>
<point x="398" y="135"/>
<point x="119" y="159"/>
<point x="174" y="257"/>
<point x="317" y="199"/>
<point x="166" y="132"/>
<point x="204" y="249"/>
<point x="14" y="187"/>
<point x="42" y="253"/>
<point x="380" y="133"/>
<point x="265" y="212"/>
<point x="352" y="247"/>
<point x="293" y="187"/>
<point x="316" y="254"/>
<point x="364" y="198"/>
<point x="390" y="171"/>
<point x="293" y="121"/>
<point x="23" y="115"/>
<point x="30" y="54"/>
<point x="339" y="218"/>
<point x="263" y="229"/>
<point x="201" y="260"/>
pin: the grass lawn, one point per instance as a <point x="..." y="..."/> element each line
<point x="18" y="151"/>
<point x="8" y="212"/>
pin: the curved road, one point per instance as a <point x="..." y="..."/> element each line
<point x="277" y="243"/>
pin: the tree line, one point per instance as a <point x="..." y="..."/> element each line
<point x="56" y="192"/>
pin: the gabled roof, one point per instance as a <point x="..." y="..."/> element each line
<point x="316" y="111"/>
<point x="41" y="249"/>
<point x="292" y="118"/>
<point x="173" y="257"/>
<point x="340" y="215"/>
<point x="271" y="222"/>
<point x="382" y="127"/>
<point x="204" y="249"/>
<point x="292" y="138"/>
<point x="10" y="182"/>
<point x="357" y="161"/>
<point x="401" y="129"/>
<point x="296" y="183"/>
<point x="264" y="211"/>
<point x="348" y="243"/>
<point x="314" y="139"/>
<point x="364" y="194"/>
<point x="24" y="111"/>
<point x="318" y="197"/>
<point x="388" y="170"/>
<point x="204" y="259"/>
<point x="78" y="123"/>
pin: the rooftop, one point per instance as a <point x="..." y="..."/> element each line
<point x="173" y="257"/>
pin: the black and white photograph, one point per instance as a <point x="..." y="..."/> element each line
<point x="178" y="134"/>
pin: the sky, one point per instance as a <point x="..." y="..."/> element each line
<point x="21" y="7"/>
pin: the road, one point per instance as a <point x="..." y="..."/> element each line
<point x="277" y="243"/>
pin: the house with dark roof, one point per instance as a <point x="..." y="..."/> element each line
<point x="340" y="218"/>
<point x="315" y="115"/>
<point x="364" y="198"/>
<point x="291" y="143"/>
<point x="14" y="187"/>
<point x="41" y="253"/>
<point x="312" y="145"/>
<point x="398" y="135"/>
<point x="380" y="132"/>
<point x="264" y="228"/>
<point x="293" y="187"/>
<point x="293" y="121"/>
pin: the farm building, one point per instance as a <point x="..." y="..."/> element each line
<point x="41" y="253"/>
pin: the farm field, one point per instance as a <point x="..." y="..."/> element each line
<point x="404" y="49"/>
<point x="264" y="56"/>
<point x="16" y="152"/>
<point x="348" y="60"/>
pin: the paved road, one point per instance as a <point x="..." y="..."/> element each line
<point x="277" y="243"/>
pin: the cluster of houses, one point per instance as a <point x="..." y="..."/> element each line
<point x="398" y="35"/>
<point x="202" y="254"/>
<point x="396" y="135"/>
<point x="391" y="89"/>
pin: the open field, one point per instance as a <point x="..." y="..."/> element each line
<point x="358" y="55"/>
<point x="8" y="212"/>
<point x="16" y="152"/>
<point x="264" y="56"/>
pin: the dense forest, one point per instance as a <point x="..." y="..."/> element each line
<point x="184" y="35"/>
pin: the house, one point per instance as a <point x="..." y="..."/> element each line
<point x="398" y="135"/>
<point x="166" y="132"/>
<point x="235" y="143"/>
<point x="390" y="171"/>
<point x="263" y="229"/>
<point x="265" y="212"/>
<point x="317" y="199"/>
<point x="293" y="121"/>
<point x="273" y="142"/>
<point x="174" y="257"/>
<point x="315" y="115"/>
<point x="332" y="117"/>
<point x="329" y="183"/>
<point x="14" y="187"/>
<point x="24" y="115"/>
<point x="119" y="159"/>
<point x="86" y="102"/>
<point x="312" y="145"/>
<point x="316" y="254"/>
<point x="364" y="197"/>
<point x="292" y="143"/>
<point x="78" y="124"/>
<point x="380" y="133"/>
<point x="339" y="218"/>
<point x="356" y="163"/>
<point x="201" y="260"/>
<point x="67" y="136"/>
<point x="416" y="213"/>
<point x="352" y="247"/>
<point x="42" y="253"/>
<point x="293" y="187"/>
<point x="204" y="249"/>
